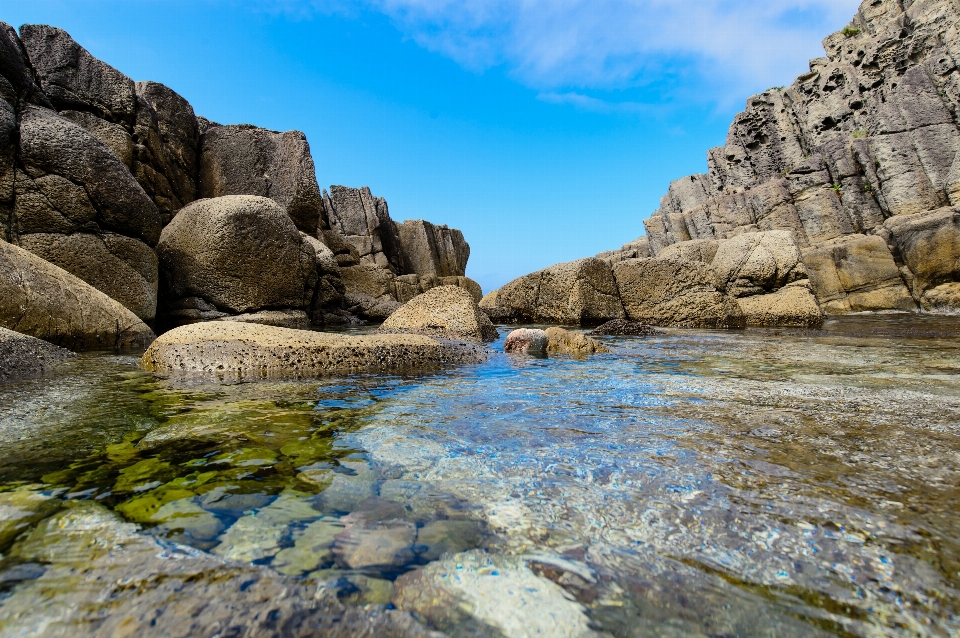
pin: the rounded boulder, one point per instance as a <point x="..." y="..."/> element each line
<point x="446" y="312"/>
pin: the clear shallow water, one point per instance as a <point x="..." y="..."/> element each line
<point x="751" y="483"/>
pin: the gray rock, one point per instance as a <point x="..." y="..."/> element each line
<point x="447" y="312"/>
<point x="246" y="160"/>
<point x="53" y="145"/>
<point x="625" y="328"/>
<point x="16" y="72"/>
<point x="527" y="340"/>
<point x="115" y="136"/>
<point x="44" y="301"/>
<point x="74" y="79"/>
<point x="669" y="293"/>
<point x="25" y="356"/>
<point x="230" y="350"/>
<point x="239" y="253"/>
<point x="581" y="292"/>
<point x="123" y="268"/>
<point x="427" y="249"/>
<point x="281" y="318"/>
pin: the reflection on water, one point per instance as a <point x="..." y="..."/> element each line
<point x="760" y="482"/>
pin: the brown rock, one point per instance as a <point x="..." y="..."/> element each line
<point x="562" y="341"/>
<point x="527" y="340"/>
<point x="44" y="301"/>
<point x="427" y="249"/>
<point x="228" y="349"/>
<point x="929" y="244"/>
<point x="681" y="294"/>
<point x="446" y="311"/>
<point x="944" y="299"/>
<point x="793" y="305"/>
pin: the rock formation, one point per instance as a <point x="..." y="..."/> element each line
<point x="25" y="356"/>
<point x="447" y="312"/>
<point x="858" y="160"/>
<point x="94" y="165"/>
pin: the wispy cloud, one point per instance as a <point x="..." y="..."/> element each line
<point x="559" y="46"/>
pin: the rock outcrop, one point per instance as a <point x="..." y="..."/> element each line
<point x="25" y="356"/>
<point x="42" y="300"/>
<point x="846" y="181"/>
<point x="448" y="312"/>
<point x="581" y="292"/>
<point x="94" y="165"/>
<point x="227" y="349"/>
<point x="237" y="253"/>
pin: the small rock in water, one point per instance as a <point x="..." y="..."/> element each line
<point x="625" y="328"/>
<point x="527" y="340"/>
<point x="447" y="537"/>
<point x="20" y="508"/>
<point x="381" y="544"/>
<point x="347" y="491"/>
<point x="185" y="521"/>
<point x="259" y="534"/>
<point x="564" y="341"/>
<point x="313" y="548"/>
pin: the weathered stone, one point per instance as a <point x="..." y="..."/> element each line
<point x="580" y="292"/>
<point x="53" y="145"/>
<point x="792" y="305"/>
<point x="929" y="244"/>
<point x="123" y="268"/>
<point x="179" y="593"/>
<point x="562" y="341"/>
<point x="23" y="506"/>
<point x="756" y="263"/>
<point x="668" y="293"/>
<point x="527" y="340"/>
<point x="625" y="328"/>
<point x="364" y="222"/>
<point x="115" y="136"/>
<point x="446" y="311"/>
<point x="245" y="160"/>
<point x="15" y="70"/>
<point x="367" y="307"/>
<point x="427" y="249"/>
<point x="702" y="250"/>
<point x="944" y="299"/>
<point x="232" y="349"/>
<point x="281" y="318"/>
<point x="856" y="273"/>
<point x="74" y="79"/>
<point x="239" y="253"/>
<point x="23" y="356"/>
<point x="370" y="280"/>
<point x="44" y="301"/>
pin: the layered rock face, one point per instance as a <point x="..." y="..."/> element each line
<point x="859" y="160"/>
<point x="93" y="166"/>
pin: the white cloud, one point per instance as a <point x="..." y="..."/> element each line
<point x="556" y="45"/>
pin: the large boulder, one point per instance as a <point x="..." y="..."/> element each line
<point x="364" y="222"/>
<point x="243" y="159"/>
<point x="674" y="293"/>
<point x="39" y="299"/>
<point x="239" y="253"/>
<point x="755" y="263"/>
<point x="856" y="273"/>
<point x="792" y="305"/>
<point x="230" y="349"/>
<point x="929" y="244"/>
<point x="581" y="292"/>
<point x="446" y="311"/>
<point x="24" y="356"/>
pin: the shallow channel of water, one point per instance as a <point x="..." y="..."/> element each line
<point x="740" y="483"/>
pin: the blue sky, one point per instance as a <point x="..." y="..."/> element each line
<point x="546" y="130"/>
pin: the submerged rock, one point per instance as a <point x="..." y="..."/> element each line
<point x="625" y="328"/>
<point x="45" y="301"/>
<point x="527" y="340"/>
<point x="562" y="341"/>
<point x="20" y="508"/>
<point x="475" y="592"/>
<point x="252" y="350"/>
<point x="448" y="312"/>
<point x="313" y="547"/>
<point x="103" y="578"/>
<point x="375" y="544"/>
<point x="23" y="356"/>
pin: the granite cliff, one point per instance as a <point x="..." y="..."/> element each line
<point x="180" y="219"/>
<point x="845" y="184"/>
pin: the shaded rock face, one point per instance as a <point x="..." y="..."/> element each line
<point x="44" y="301"/>
<point x="448" y="312"/>
<point x="25" y="356"/>
<point x="364" y="222"/>
<point x="625" y="328"/>
<point x="426" y="249"/>
<point x="238" y="253"/>
<point x="854" y="149"/>
<point x="243" y="159"/>
<point x="581" y="292"/>
<point x="243" y="350"/>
